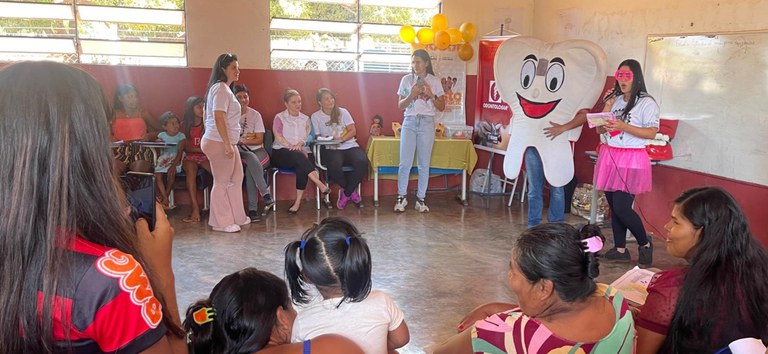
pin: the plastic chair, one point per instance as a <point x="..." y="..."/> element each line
<point x="204" y="182"/>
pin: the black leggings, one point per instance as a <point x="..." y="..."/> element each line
<point x="353" y="157"/>
<point x="623" y="217"/>
<point x="294" y="160"/>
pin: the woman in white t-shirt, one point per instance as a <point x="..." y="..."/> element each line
<point x="334" y="121"/>
<point x="289" y="150"/>
<point x="222" y="129"/>
<point x="623" y="167"/>
<point x="420" y="95"/>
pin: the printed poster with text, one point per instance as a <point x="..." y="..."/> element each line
<point x="452" y="73"/>
<point x="492" y="114"/>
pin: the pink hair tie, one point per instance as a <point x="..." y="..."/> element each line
<point x="593" y="244"/>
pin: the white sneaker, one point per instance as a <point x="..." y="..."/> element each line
<point x="228" y="228"/>
<point x="421" y="206"/>
<point x="246" y="222"/>
<point x="401" y="203"/>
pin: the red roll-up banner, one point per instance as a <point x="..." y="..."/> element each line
<point x="491" y="112"/>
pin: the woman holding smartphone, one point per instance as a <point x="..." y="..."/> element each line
<point x="420" y="95"/>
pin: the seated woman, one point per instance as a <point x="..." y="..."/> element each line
<point x="289" y="151"/>
<point x="722" y="295"/>
<point x="552" y="273"/>
<point x="249" y="311"/>
<point x="336" y="122"/>
<point x="68" y="247"/>
<point x="131" y="122"/>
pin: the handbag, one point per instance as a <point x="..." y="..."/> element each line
<point x="261" y="154"/>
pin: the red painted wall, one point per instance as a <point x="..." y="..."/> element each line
<point x="367" y="94"/>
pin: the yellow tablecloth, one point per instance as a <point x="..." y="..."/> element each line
<point x="455" y="154"/>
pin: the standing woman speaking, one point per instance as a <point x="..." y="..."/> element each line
<point x="222" y="131"/>
<point x="623" y="168"/>
<point x="420" y="95"/>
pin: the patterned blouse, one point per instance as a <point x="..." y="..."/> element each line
<point x="514" y="332"/>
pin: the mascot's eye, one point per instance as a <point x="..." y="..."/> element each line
<point x="527" y="73"/>
<point x="555" y="77"/>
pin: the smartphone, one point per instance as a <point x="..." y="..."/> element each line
<point x="140" y="191"/>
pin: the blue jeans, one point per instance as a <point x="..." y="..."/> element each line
<point x="417" y="135"/>
<point x="534" y="169"/>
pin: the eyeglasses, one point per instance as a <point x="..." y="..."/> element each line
<point x="623" y="75"/>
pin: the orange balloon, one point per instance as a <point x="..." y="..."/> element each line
<point x="468" y="31"/>
<point x="439" y="22"/>
<point x="455" y="35"/>
<point x="442" y="40"/>
<point x="407" y="34"/>
<point x="425" y="35"/>
<point x="466" y="52"/>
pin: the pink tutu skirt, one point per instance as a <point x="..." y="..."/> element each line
<point x="623" y="169"/>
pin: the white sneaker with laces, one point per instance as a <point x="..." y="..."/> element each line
<point x="401" y="203"/>
<point x="421" y="206"/>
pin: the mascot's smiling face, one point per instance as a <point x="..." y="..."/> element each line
<point x="554" y="75"/>
<point x="540" y="79"/>
<point x="546" y="83"/>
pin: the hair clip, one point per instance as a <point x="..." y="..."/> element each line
<point x="204" y="315"/>
<point x="347" y="240"/>
<point x="593" y="244"/>
<point x="302" y="244"/>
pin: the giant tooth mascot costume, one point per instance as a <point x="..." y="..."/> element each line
<point x="542" y="83"/>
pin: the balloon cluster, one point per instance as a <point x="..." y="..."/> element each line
<point x="442" y="36"/>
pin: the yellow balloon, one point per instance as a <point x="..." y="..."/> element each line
<point x="425" y="35"/>
<point x="468" y="31"/>
<point x="442" y="40"/>
<point x="439" y="22"/>
<point x="466" y="52"/>
<point x="407" y="34"/>
<point x="455" y="35"/>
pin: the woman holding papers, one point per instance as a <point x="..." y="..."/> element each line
<point x="623" y="169"/>
<point x="722" y="295"/>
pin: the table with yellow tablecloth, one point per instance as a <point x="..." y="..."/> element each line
<point x="449" y="156"/>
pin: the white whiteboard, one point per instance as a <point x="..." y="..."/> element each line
<point x="717" y="86"/>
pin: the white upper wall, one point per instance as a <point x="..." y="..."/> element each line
<point x="621" y="27"/>
<point x="242" y="27"/>
<point x="228" y="26"/>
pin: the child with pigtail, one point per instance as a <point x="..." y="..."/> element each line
<point x="334" y="258"/>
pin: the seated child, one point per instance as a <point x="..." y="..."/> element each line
<point x="170" y="160"/>
<point x="337" y="261"/>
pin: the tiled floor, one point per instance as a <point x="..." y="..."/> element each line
<point x="436" y="266"/>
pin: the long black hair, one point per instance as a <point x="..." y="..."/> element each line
<point x="555" y="252"/>
<point x="189" y="114"/>
<point x="638" y="85"/>
<point x="121" y="91"/>
<point x="219" y="71"/>
<point x="243" y="306"/>
<point x="58" y="175"/>
<point x="424" y="55"/>
<point x="724" y="296"/>
<point x="333" y="255"/>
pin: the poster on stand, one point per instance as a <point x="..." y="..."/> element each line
<point x="452" y="73"/>
<point x="492" y="114"/>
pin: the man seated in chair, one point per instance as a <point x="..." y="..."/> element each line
<point x="251" y="146"/>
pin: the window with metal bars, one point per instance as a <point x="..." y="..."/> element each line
<point x="129" y="32"/>
<point x="344" y="35"/>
